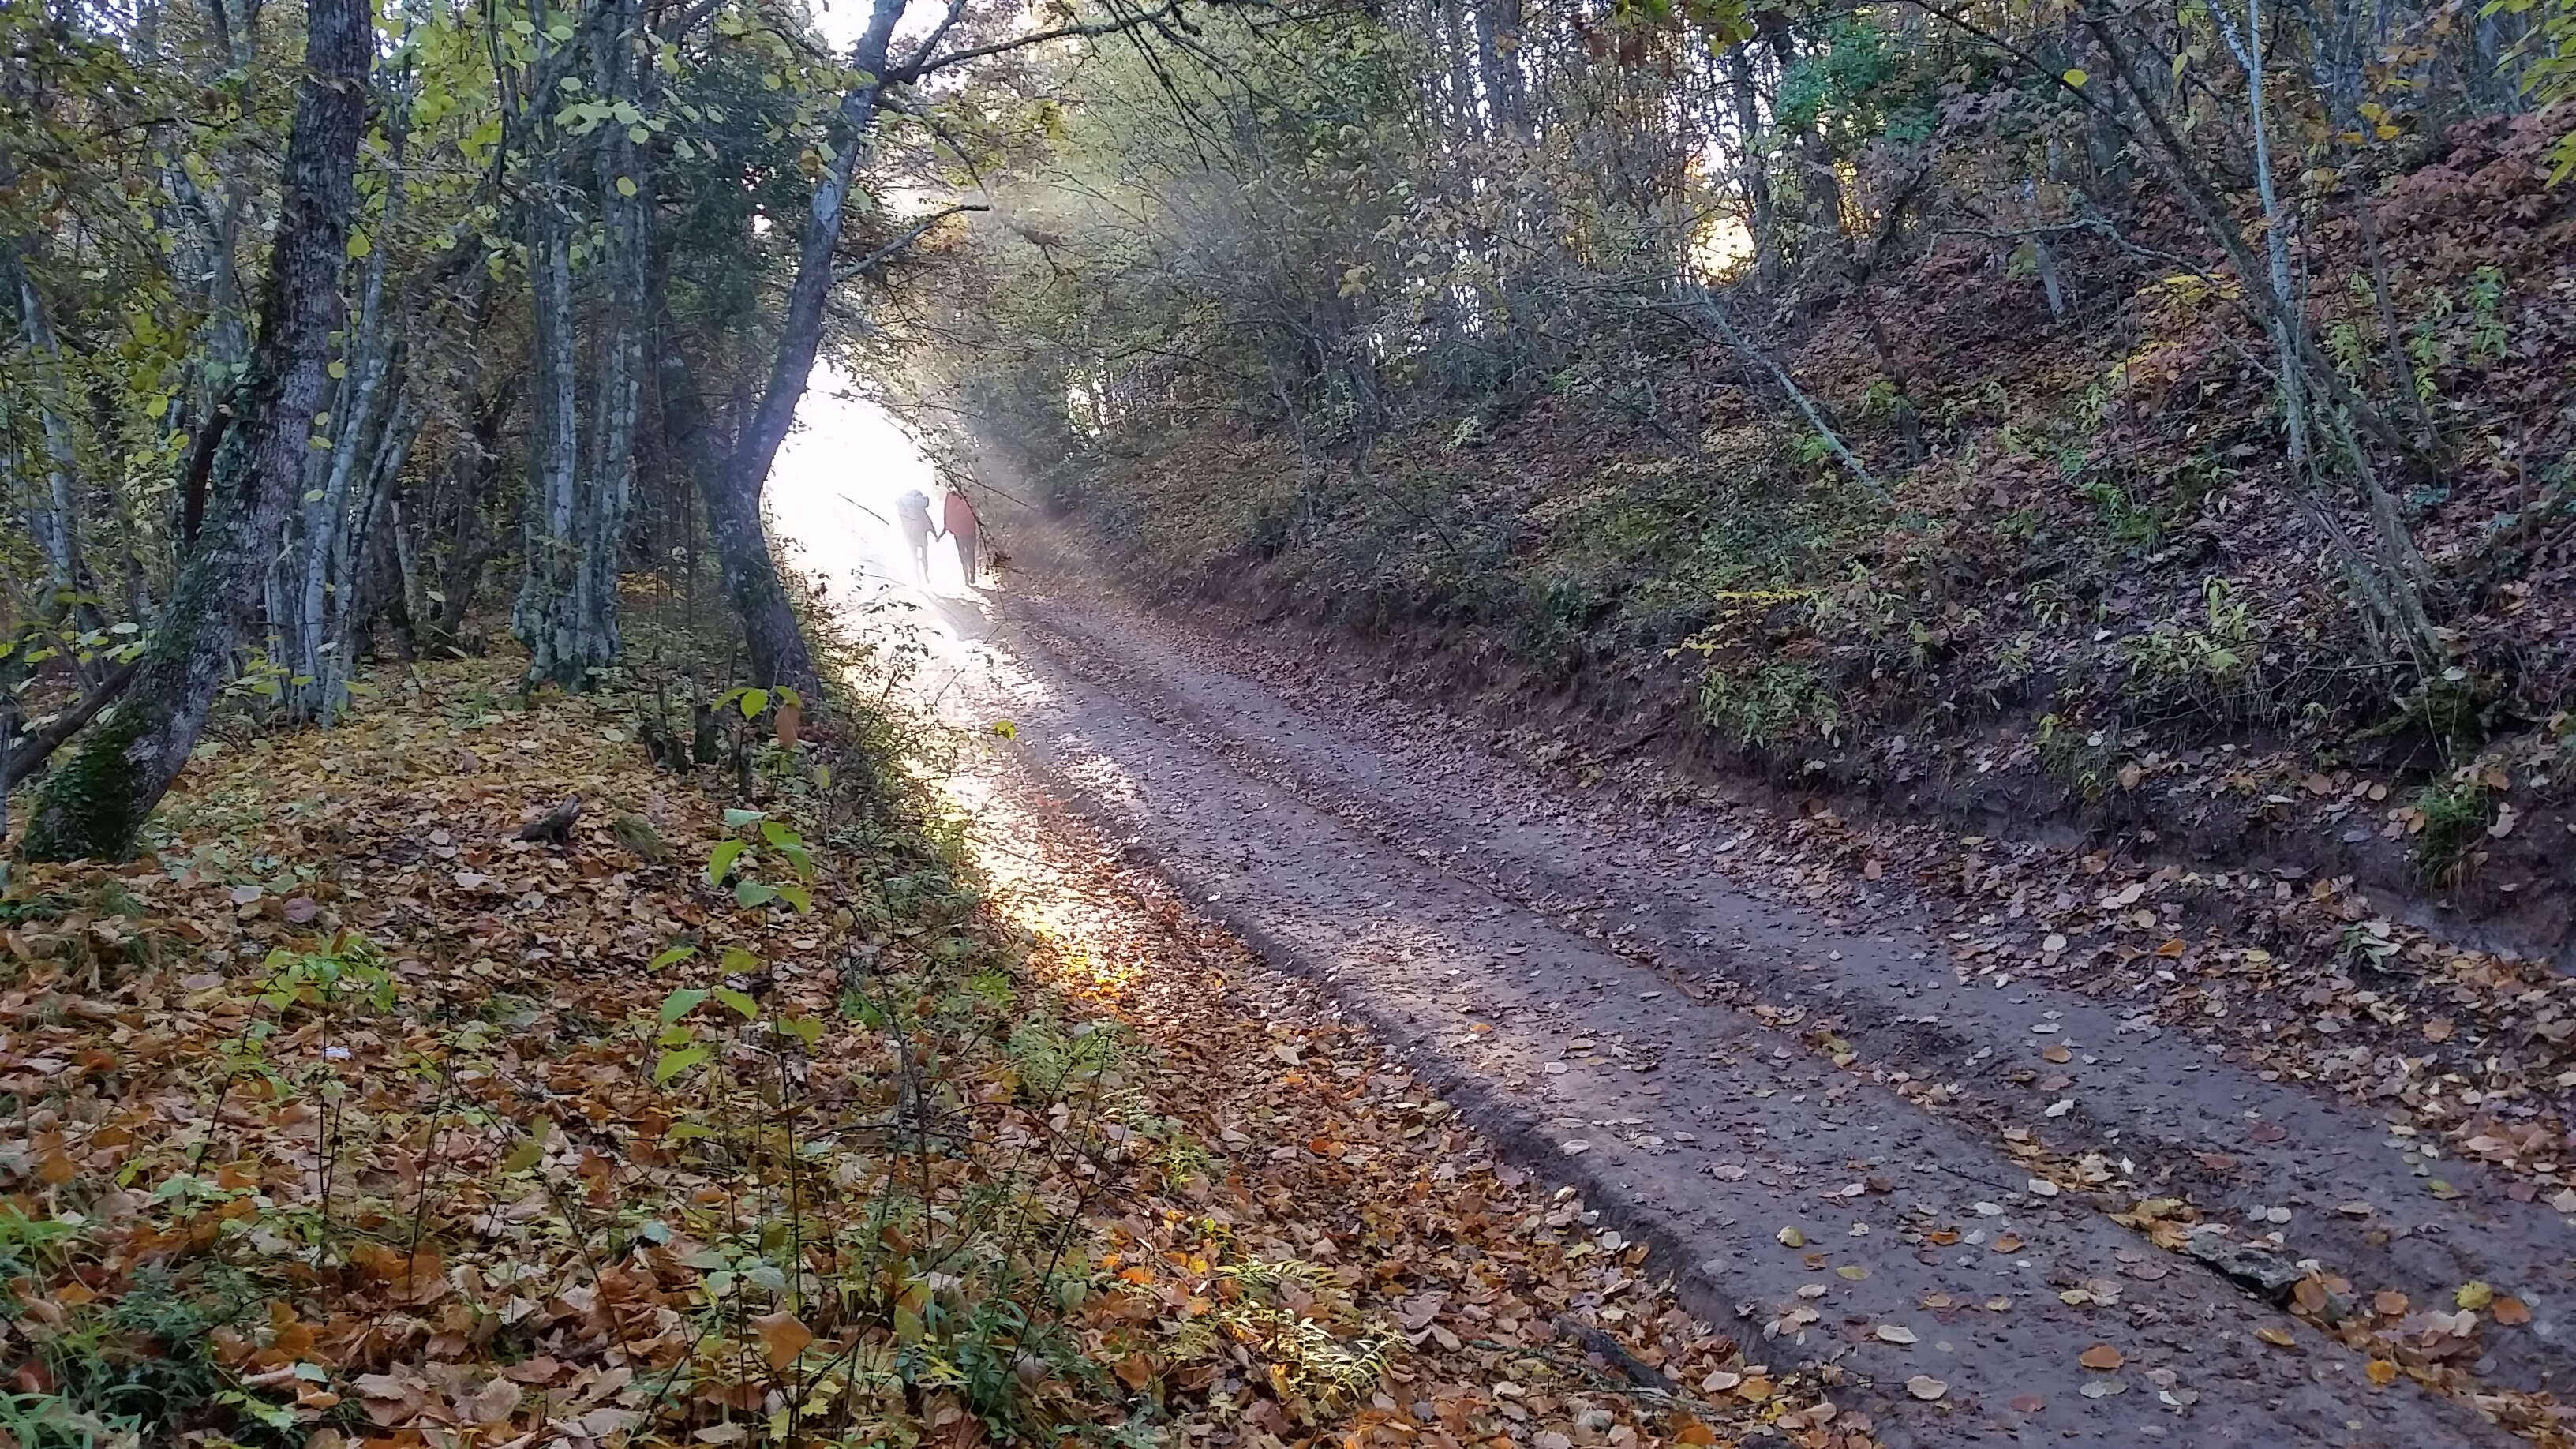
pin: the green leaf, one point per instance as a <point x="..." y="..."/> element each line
<point x="674" y="1063"/>
<point x="797" y="896"/>
<point x="1006" y="729"/>
<point x="789" y="694"/>
<point x="674" y="956"/>
<point x="720" y="862"/>
<point x="736" y="959"/>
<point x="753" y="702"/>
<point x="680" y="1003"/>
<point x="753" y="893"/>
<point x="801" y="858"/>
<point x="626" y="185"/>
<point x="807" y="1029"/>
<point x="688" y="1132"/>
<point x="743" y="1005"/>
<point x="779" y="835"/>
<point x="526" y="1155"/>
<point x="737" y="819"/>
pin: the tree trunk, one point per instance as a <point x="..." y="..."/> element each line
<point x="352" y="423"/>
<point x="732" y="489"/>
<point x="1763" y="213"/>
<point x="624" y="203"/>
<point x="54" y="517"/>
<point x="96" y="804"/>
<point x="545" y="617"/>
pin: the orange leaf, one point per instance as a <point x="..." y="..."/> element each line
<point x="1696" y="1435"/>
<point x="782" y="1337"/>
<point x="2382" y="1372"/>
<point x="2101" y="1356"/>
<point x="2510" y="1312"/>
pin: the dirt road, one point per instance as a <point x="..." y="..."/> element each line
<point x="1831" y="1137"/>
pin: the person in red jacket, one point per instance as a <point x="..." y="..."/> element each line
<point x="958" y="517"/>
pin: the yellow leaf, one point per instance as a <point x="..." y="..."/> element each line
<point x="2382" y="1372"/>
<point x="2474" y="1295"/>
<point x="2275" y="1335"/>
<point x="626" y="186"/>
<point x="1792" y="1238"/>
<point x="2075" y="78"/>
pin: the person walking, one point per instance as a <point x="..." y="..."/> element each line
<point x="963" y="526"/>
<point x="912" y="510"/>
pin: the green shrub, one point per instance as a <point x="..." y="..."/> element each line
<point x="1780" y="703"/>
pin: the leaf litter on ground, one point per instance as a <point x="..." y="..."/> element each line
<point x="347" y="1115"/>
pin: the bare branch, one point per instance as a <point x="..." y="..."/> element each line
<point x="883" y="254"/>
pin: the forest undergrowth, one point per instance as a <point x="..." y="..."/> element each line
<point x="385" y="1099"/>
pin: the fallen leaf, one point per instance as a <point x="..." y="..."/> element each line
<point x="1792" y="1238"/>
<point x="2381" y="1372"/>
<point x="2101" y="1356"/>
<point x="2510" y="1312"/>
<point x="2274" y="1334"/>
<point x="2473" y="1294"/>
<point x="782" y="1337"/>
<point x="1896" y="1333"/>
<point x="1926" y="1387"/>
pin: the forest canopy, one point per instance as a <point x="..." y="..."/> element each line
<point x="332" y="327"/>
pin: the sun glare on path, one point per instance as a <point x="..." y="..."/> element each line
<point x="832" y="496"/>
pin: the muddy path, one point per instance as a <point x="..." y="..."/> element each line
<point x="1842" y="1147"/>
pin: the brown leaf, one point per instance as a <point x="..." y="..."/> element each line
<point x="2510" y="1312"/>
<point x="782" y="1337"/>
<point x="2101" y="1356"/>
<point x="491" y="1404"/>
<point x="2437" y="1029"/>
